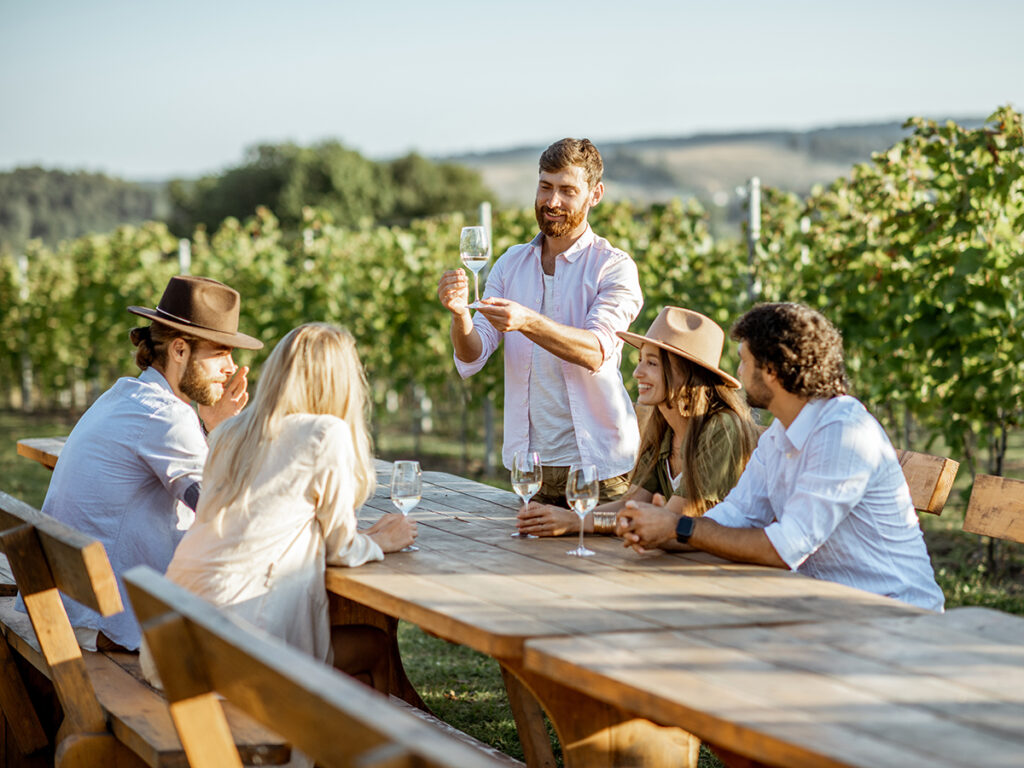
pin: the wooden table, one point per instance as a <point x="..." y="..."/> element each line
<point x="471" y="583"/>
<point x="45" y="450"/>
<point x="934" y="689"/>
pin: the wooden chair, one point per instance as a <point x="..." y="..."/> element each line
<point x="930" y="479"/>
<point x="111" y="718"/>
<point x="996" y="508"/>
<point x="334" y="719"/>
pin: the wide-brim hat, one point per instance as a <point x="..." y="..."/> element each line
<point x="688" y="334"/>
<point x="203" y="308"/>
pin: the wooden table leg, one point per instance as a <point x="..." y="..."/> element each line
<point x="344" y="611"/>
<point x="599" y="735"/>
<point x="529" y="717"/>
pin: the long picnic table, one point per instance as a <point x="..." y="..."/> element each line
<point x="635" y="658"/>
<point x="473" y="584"/>
<point x="944" y="690"/>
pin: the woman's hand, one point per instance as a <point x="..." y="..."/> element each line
<point x="393" y="532"/>
<point x="547" y="520"/>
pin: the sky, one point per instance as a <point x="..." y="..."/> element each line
<point x="149" y="90"/>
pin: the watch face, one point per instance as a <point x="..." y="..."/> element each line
<point x="684" y="528"/>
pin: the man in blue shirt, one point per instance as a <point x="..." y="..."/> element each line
<point x="129" y="474"/>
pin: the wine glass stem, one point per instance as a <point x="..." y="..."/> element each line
<point x="476" y="286"/>
<point x="581" y="531"/>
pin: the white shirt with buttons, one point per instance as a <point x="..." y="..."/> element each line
<point x="832" y="499"/>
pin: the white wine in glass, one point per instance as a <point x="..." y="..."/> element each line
<point x="526" y="480"/>
<point x="474" y="250"/>
<point x="406" y="490"/>
<point x="582" y="490"/>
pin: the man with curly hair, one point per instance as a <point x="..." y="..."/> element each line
<point x="823" y="492"/>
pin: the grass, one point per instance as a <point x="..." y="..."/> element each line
<point x="464" y="687"/>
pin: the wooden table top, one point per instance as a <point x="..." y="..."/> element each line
<point x="45" y="450"/>
<point x="933" y="689"/>
<point x="474" y="584"/>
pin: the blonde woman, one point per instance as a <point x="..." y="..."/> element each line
<point x="697" y="438"/>
<point x="281" y="487"/>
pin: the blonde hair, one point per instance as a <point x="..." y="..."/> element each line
<point x="697" y="395"/>
<point x="314" y="369"/>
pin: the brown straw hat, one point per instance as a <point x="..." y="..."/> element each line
<point x="688" y="334"/>
<point x="201" y="307"/>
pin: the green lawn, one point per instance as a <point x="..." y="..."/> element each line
<point x="464" y="687"/>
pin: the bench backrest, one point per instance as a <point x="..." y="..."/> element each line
<point x="930" y="479"/>
<point x="48" y="557"/>
<point x="331" y="717"/>
<point x="996" y="508"/>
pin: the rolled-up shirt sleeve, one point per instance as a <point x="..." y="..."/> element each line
<point x="175" y="450"/>
<point x="618" y="303"/>
<point x="489" y="336"/>
<point x="832" y="481"/>
<point x="335" y="511"/>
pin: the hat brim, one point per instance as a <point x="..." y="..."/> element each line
<point x="636" y="340"/>
<point x="234" y="340"/>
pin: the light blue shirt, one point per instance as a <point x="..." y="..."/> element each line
<point x="129" y="476"/>
<point x="832" y="499"/>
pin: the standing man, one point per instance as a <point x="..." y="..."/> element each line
<point x="823" y="492"/>
<point x="129" y="474"/>
<point x="558" y="302"/>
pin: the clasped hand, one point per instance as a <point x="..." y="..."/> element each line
<point x="644" y="526"/>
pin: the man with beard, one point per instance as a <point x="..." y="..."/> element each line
<point x="558" y="302"/>
<point x="823" y="493"/>
<point x="129" y="474"/>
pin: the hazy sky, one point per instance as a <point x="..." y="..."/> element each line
<point x="154" y="89"/>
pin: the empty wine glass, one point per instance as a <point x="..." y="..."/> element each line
<point x="474" y="252"/>
<point x="526" y="480"/>
<point x="582" y="490"/>
<point x="406" y="490"/>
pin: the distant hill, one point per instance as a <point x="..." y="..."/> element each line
<point x="709" y="166"/>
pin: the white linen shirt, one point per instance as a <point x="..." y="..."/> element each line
<point x="596" y="288"/>
<point x="262" y="557"/>
<point x="832" y="499"/>
<point x="127" y="476"/>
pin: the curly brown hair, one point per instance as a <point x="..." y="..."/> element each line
<point x="798" y="345"/>
<point x="581" y="152"/>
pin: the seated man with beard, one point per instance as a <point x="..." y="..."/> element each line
<point x="129" y="474"/>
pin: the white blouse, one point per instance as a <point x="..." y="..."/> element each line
<point x="263" y="557"/>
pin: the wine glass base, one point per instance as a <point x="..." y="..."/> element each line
<point x="518" y="535"/>
<point x="475" y="305"/>
<point x="410" y="548"/>
<point x="581" y="552"/>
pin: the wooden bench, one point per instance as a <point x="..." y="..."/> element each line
<point x="112" y="718"/>
<point x="996" y="508"/>
<point x="331" y="717"/>
<point x="930" y="479"/>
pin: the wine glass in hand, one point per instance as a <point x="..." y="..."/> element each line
<point x="406" y="490"/>
<point x="582" y="490"/>
<point x="526" y="480"/>
<point x="474" y="252"/>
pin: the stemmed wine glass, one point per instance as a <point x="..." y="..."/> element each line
<point x="474" y="252"/>
<point x="406" y="490"/>
<point x="526" y="480"/>
<point x="582" y="490"/>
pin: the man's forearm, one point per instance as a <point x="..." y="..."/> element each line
<point x="465" y="338"/>
<point x="574" y="345"/>
<point x="742" y="545"/>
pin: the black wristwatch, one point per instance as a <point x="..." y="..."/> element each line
<point x="684" y="529"/>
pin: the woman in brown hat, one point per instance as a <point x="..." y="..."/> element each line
<point x="698" y="436"/>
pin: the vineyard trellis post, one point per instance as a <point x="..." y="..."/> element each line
<point x="26" y="361"/>
<point x="753" y="235"/>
